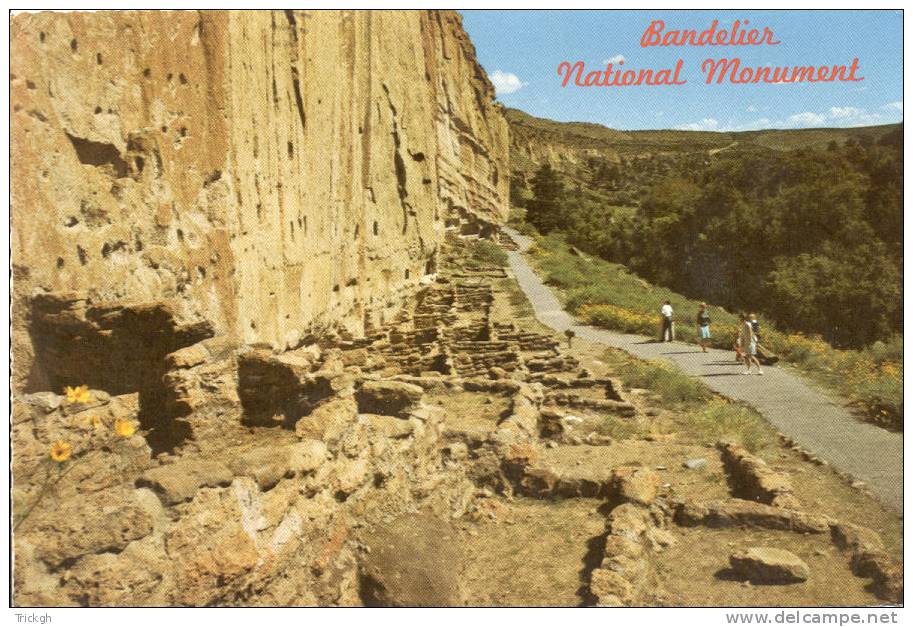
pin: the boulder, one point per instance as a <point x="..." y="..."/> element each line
<point x="187" y="357"/>
<point x="886" y="573"/>
<point x="351" y="474"/>
<point x="769" y="565"/>
<point x="616" y="546"/>
<point x="46" y="402"/>
<point x="390" y="398"/>
<point x="213" y="545"/>
<point x="629" y="521"/>
<point x="307" y="456"/>
<point x="631" y="568"/>
<point x="328" y="421"/>
<point x="389" y="426"/>
<point x="610" y="588"/>
<point x="266" y="465"/>
<point x="179" y="482"/>
<point x="104" y="521"/>
<point x="133" y="577"/>
<point x="638" y="485"/>
<point x="660" y="539"/>
<point x="538" y="481"/>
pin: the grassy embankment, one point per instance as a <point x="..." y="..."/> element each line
<point x="606" y="294"/>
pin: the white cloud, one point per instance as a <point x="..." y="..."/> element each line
<point x="659" y="114"/>
<point x="834" y="117"/>
<point x="806" y="118"/>
<point x="751" y="109"/>
<point x="707" y="124"/>
<point x="505" y="82"/>
<point x="842" y="117"/>
<point x="839" y="113"/>
<point x="613" y="60"/>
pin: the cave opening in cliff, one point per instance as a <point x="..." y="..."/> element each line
<point x="118" y="349"/>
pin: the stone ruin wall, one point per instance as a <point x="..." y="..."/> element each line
<point x="267" y="171"/>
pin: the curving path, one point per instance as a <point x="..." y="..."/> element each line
<point x="813" y="420"/>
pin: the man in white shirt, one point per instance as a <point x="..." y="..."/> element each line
<point x="666" y="312"/>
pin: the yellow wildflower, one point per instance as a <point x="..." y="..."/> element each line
<point x="78" y="394"/>
<point x="60" y="451"/>
<point x="124" y="427"/>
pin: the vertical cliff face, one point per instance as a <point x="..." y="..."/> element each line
<point x="269" y="172"/>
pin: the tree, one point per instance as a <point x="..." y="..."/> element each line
<point x="517" y="192"/>
<point x="543" y="211"/>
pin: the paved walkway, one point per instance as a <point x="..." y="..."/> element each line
<point x="814" y="421"/>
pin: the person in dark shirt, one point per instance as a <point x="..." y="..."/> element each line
<point x="755" y="326"/>
<point x="703" y="326"/>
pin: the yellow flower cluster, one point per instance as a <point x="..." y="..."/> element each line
<point x="876" y="387"/>
<point x="79" y="394"/>
<point x="123" y="427"/>
<point x="60" y="451"/>
<point x="615" y="317"/>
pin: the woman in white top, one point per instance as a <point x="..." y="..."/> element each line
<point x="749" y="342"/>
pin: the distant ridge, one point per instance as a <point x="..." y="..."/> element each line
<point x="596" y="136"/>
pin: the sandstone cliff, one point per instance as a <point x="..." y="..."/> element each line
<point x="262" y="173"/>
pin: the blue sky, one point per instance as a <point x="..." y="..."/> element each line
<point x="521" y="51"/>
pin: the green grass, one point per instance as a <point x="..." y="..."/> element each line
<point x="616" y="428"/>
<point x="724" y="420"/>
<point x="672" y="385"/>
<point x="606" y="294"/>
<point x="702" y="415"/>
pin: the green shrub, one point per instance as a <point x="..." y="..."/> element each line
<point x="487" y="252"/>
<point x="882" y="400"/>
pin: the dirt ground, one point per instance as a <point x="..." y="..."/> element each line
<point x="532" y="552"/>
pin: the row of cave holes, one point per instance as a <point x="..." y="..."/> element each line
<point x="303" y="226"/>
<point x="353" y="282"/>
<point x="109" y="248"/>
<point x="74" y="46"/>
<point x="106" y="251"/>
<point x="429" y="269"/>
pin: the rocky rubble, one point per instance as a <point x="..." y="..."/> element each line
<point x="769" y="565"/>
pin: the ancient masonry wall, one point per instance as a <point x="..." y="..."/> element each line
<point x="268" y="171"/>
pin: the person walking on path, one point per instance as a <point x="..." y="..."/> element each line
<point x="667" y="313"/>
<point x="703" y="326"/>
<point x="755" y="326"/>
<point x="749" y="343"/>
